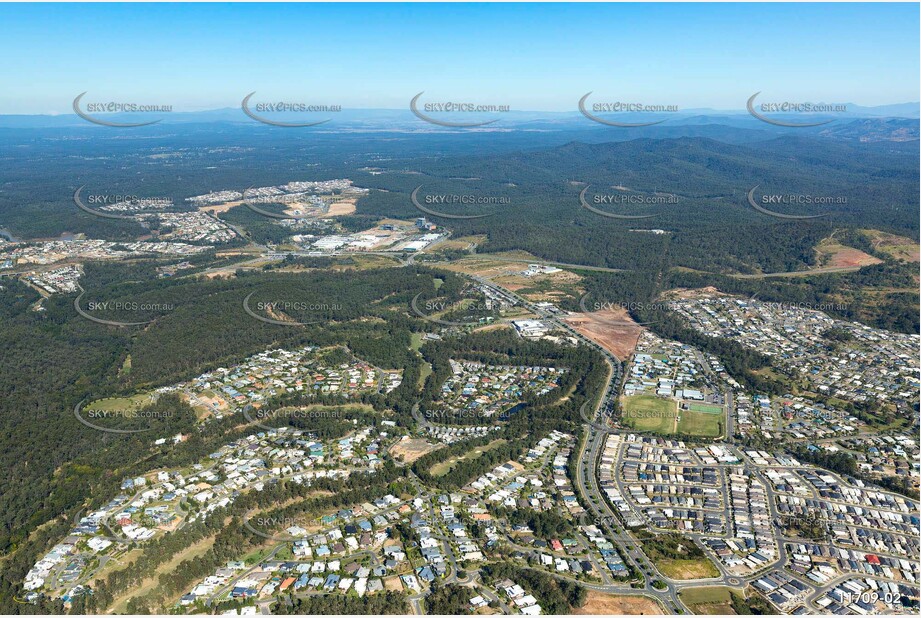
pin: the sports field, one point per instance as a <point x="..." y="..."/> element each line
<point x="705" y="424"/>
<point x="658" y="415"/>
<point x="649" y="413"/>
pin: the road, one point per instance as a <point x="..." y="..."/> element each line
<point x="589" y="459"/>
<point x="802" y="273"/>
<point x="534" y="260"/>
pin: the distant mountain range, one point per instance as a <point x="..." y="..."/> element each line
<point x="403" y="120"/>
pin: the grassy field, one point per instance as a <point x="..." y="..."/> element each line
<point x="126" y="367"/>
<point x="410" y="450"/>
<point x="899" y="247"/>
<point x="442" y="468"/>
<point x="711" y="600"/>
<point x="702" y="407"/>
<point x="257" y="555"/>
<point x="366" y="262"/>
<point x="461" y="243"/>
<point x="677" y="557"/>
<point x="694" y="568"/>
<point x="285" y="553"/>
<point x="703" y="424"/>
<point x="416" y="342"/>
<point x="706" y="594"/>
<point x="424" y="372"/>
<point x="649" y="413"/>
<point x="121" y="404"/>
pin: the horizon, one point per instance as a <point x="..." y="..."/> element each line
<point x="575" y="111"/>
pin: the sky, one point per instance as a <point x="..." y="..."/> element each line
<point x="527" y="56"/>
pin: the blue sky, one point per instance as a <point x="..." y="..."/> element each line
<point x="528" y="56"/>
